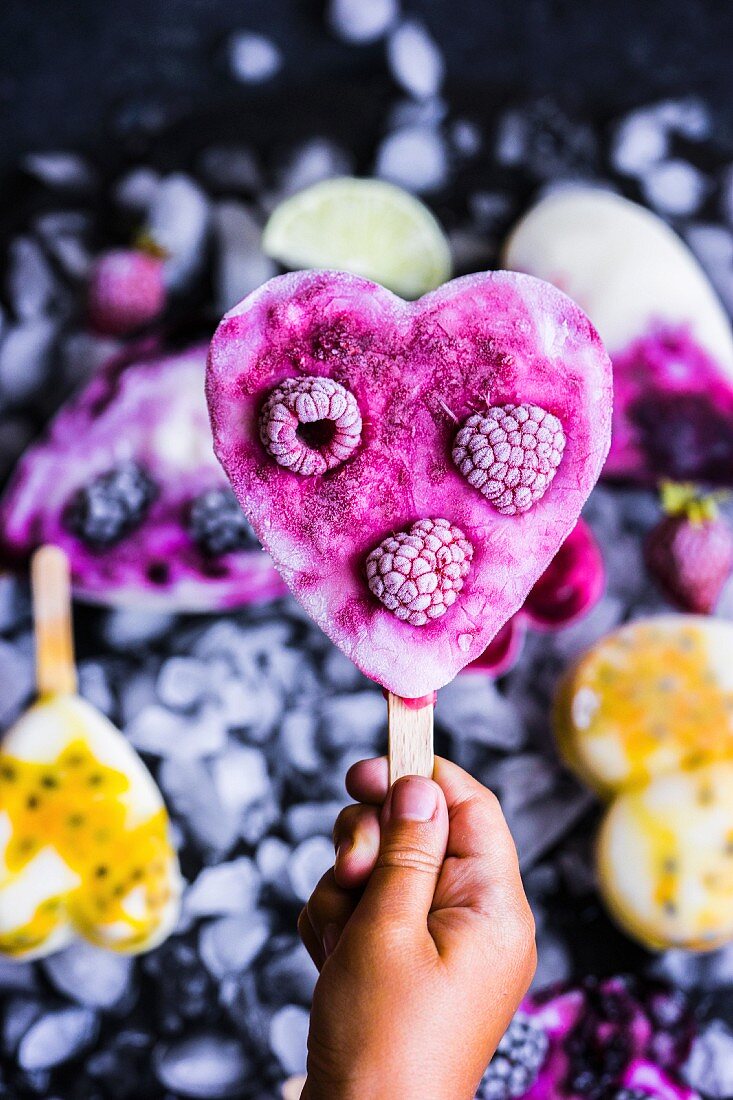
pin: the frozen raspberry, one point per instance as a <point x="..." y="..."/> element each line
<point x="510" y="453"/>
<point x="126" y="291"/>
<point x="417" y="574"/>
<point x="310" y="425"/>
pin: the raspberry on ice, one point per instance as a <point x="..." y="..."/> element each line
<point x="310" y="425"/>
<point x="417" y="574"/>
<point x="510" y="454"/>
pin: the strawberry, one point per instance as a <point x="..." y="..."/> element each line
<point x="126" y="290"/>
<point x="690" y="551"/>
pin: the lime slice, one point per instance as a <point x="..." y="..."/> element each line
<point x="366" y="227"/>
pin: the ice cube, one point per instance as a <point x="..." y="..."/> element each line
<point x="414" y="157"/>
<point x="90" y="976"/>
<point x="231" y="168"/>
<point x="573" y="640"/>
<point x="341" y="673"/>
<point x="674" y="187"/>
<point x="553" y="961"/>
<point x="231" y="944"/>
<point x="94" y="685"/>
<point x="19" y="1014"/>
<point x="192" y="796"/>
<point x="356" y="719"/>
<point x="253" y="58"/>
<point x="64" y="171"/>
<point x="25" y="352"/>
<point x="358" y="22"/>
<point x="307" y="819"/>
<point x="289" y="976"/>
<point x="57" y="1037"/>
<point x="271" y="858"/>
<point x="137" y="189"/>
<point x="307" y="865"/>
<point x="314" y="160"/>
<point x="30" y="281"/>
<point x="298" y="740"/>
<point x="162" y="732"/>
<point x="466" y="137"/>
<point x="226" y="888"/>
<point x="523" y="778"/>
<point x="689" y="117"/>
<point x="128" y="628"/>
<point x="83" y="353"/>
<point x="15" y="435"/>
<point x="16" y="682"/>
<point x="417" y="112"/>
<point x="241" y="777"/>
<point x="178" y="222"/>
<point x="540" y="826"/>
<point x="709" y="1067"/>
<point x="205" y="1065"/>
<point x="713" y="246"/>
<point x="183" y="682"/>
<point x="289" y="1038"/>
<point x="241" y="265"/>
<point x="472" y="708"/>
<point x="15" y="975"/>
<point x="415" y="60"/>
<point x="641" y="141"/>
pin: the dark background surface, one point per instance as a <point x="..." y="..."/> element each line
<point x="122" y="80"/>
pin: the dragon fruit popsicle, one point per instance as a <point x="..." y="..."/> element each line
<point x="412" y="468"/>
<point x="666" y="331"/>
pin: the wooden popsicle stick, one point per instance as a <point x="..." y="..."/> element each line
<point x="410" y="738"/>
<point x="55" y="669"/>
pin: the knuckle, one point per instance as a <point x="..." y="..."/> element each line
<point x="409" y="857"/>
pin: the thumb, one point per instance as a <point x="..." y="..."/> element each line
<point x="414" y="836"/>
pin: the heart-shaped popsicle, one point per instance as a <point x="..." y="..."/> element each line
<point x="667" y="333"/>
<point x="412" y="468"/>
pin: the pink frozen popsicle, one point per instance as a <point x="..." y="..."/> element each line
<point x="412" y="468"/>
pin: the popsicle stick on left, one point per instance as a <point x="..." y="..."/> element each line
<point x="55" y="670"/>
<point x="410" y="731"/>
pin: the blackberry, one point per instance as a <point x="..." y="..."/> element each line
<point x="517" y="1062"/>
<point x="111" y="506"/>
<point x="218" y="525"/>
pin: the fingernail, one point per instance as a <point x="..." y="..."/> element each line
<point x="413" y="799"/>
<point x="331" y="935"/>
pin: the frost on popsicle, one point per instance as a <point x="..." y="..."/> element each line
<point x="126" y="482"/>
<point x="414" y="370"/>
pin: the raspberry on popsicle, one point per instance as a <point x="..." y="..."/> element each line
<point x="412" y="467"/>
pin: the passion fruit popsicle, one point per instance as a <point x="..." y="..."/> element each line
<point x="411" y="467"/>
<point x="84" y="847"/>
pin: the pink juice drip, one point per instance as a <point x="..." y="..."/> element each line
<point x="673" y="411"/>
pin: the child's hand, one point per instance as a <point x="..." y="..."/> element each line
<point x="423" y="938"/>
